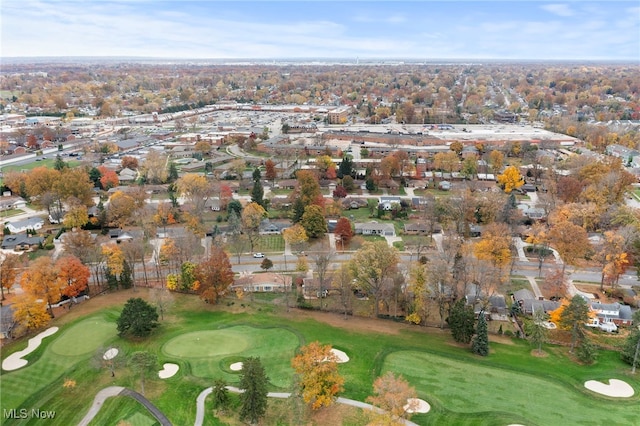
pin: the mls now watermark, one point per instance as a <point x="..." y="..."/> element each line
<point x="23" y="413"/>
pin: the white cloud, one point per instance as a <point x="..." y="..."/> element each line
<point x="558" y="9"/>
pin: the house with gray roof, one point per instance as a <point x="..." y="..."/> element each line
<point x="20" y="226"/>
<point x="375" y="228"/>
<point x="20" y="242"/>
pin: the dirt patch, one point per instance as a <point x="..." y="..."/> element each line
<point x="352" y="323"/>
<point x="503" y="340"/>
<point x="539" y="354"/>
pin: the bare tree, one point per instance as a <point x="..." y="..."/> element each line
<point x="322" y="261"/>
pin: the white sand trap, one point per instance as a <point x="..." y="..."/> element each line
<point x="616" y="388"/>
<point x="168" y="370"/>
<point x="342" y="357"/>
<point x="110" y="353"/>
<point x="420" y="406"/>
<point x="236" y="366"/>
<point x="15" y="361"/>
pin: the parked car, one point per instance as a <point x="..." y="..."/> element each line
<point x="258" y="255"/>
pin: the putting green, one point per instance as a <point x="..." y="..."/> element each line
<point x="84" y="337"/>
<point x="209" y="356"/>
<point x="470" y="387"/>
<point x="208" y="343"/>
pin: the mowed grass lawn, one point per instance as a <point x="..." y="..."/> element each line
<point x="509" y="386"/>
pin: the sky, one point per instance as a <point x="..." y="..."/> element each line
<point x="422" y="30"/>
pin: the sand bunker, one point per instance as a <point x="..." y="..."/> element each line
<point x="168" y="370"/>
<point x="15" y="361"/>
<point x="418" y="406"/>
<point x="236" y="366"/>
<point x="342" y="357"/>
<point x="110" y="353"/>
<point x="616" y="388"/>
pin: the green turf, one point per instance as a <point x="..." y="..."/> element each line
<point x="509" y="386"/>
<point x="123" y="409"/>
<point x="476" y="388"/>
<point x="208" y="351"/>
<point x="84" y="337"/>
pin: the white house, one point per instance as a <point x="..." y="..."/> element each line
<point x="21" y="226"/>
<point x="375" y="228"/>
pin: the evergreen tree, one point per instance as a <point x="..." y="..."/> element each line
<point x="59" y="163"/>
<point x="254" y="382"/>
<point x="461" y="321"/>
<point x="112" y="279"/>
<point x="257" y="193"/>
<point x="480" y="344"/>
<point x="586" y="351"/>
<point x="632" y="343"/>
<point x="297" y="210"/>
<point x="256" y="175"/>
<point x="345" y="168"/>
<point x="173" y="173"/>
<point x="138" y="318"/>
<point x="573" y="318"/>
<point x="125" y="277"/>
<point x="220" y="395"/>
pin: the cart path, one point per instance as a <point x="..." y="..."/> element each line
<point x="203" y="395"/>
<point x="120" y="391"/>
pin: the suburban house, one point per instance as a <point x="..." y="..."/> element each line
<point x="213" y="203"/>
<point x="612" y="312"/>
<point x="386" y="203"/>
<point x="127" y="175"/>
<point x="494" y="307"/>
<point x="529" y="303"/>
<point x="20" y="242"/>
<point x="9" y="203"/>
<point x="20" y="226"/>
<point x="375" y="228"/>
<point x="272" y="227"/>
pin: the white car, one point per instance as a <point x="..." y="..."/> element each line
<point x="258" y="255"/>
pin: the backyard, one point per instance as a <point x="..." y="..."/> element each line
<point x="507" y="387"/>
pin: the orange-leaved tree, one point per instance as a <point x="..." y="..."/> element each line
<point x="8" y="272"/>
<point x="317" y="368"/>
<point x="41" y="281"/>
<point x="73" y="276"/>
<point x="29" y="312"/>
<point x="213" y="276"/>
<point x="395" y="396"/>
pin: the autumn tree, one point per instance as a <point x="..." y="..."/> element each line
<point x="73" y="276"/>
<point x="138" y="318"/>
<point x="29" y="312"/>
<point x="495" y="245"/>
<point x="295" y="236"/>
<point x="40" y="281"/>
<point x="129" y="162"/>
<point x="418" y="287"/>
<point x="114" y="258"/>
<point x="270" y="170"/>
<point x="108" y="178"/>
<point x="496" y="160"/>
<point x="344" y="231"/>
<point x="510" y="179"/>
<point x="254" y="382"/>
<point x="571" y="241"/>
<point x="9" y="265"/>
<point x="266" y="264"/>
<point x="313" y="221"/>
<point x="143" y="363"/>
<point x="372" y="267"/>
<point x="120" y="209"/>
<point x="317" y="368"/>
<point x="395" y="396"/>
<point x="197" y="190"/>
<point x="613" y="257"/>
<point x="252" y="216"/>
<point x="154" y="167"/>
<point x="76" y="217"/>
<point x="214" y="276"/>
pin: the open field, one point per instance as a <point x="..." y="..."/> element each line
<point x="509" y="386"/>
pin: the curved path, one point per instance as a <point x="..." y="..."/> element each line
<point x="120" y="391"/>
<point x="203" y="395"/>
